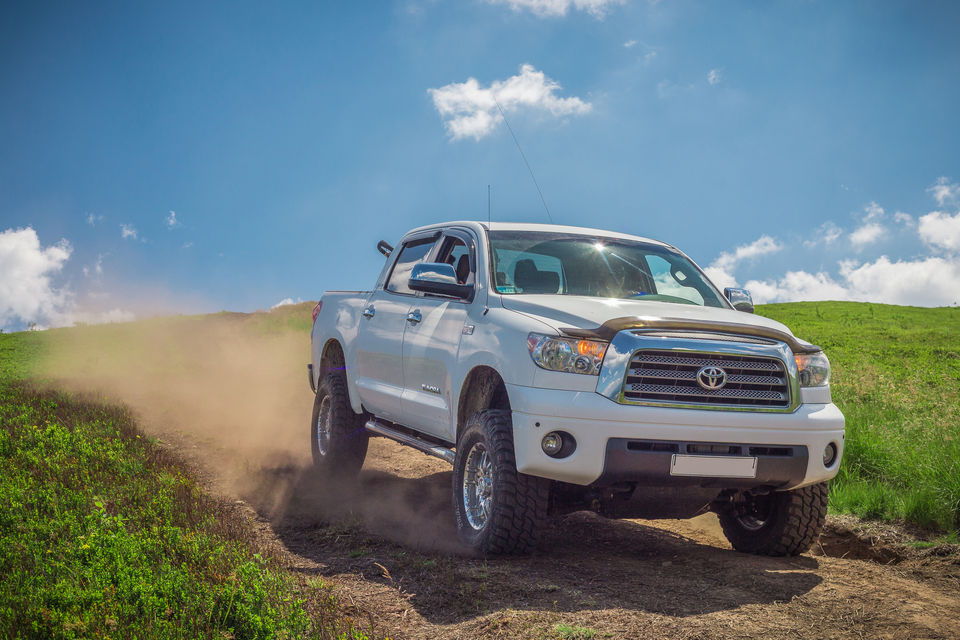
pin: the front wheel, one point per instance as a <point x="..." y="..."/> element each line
<point x="781" y="523"/>
<point x="338" y="439"/>
<point x="497" y="509"/>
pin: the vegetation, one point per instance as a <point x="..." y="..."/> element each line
<point x="103" y="534"/>
<point x="896" y="377"/>
<point x="571" y="632"/>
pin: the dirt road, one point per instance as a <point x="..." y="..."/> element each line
<point x="235" y="403"/>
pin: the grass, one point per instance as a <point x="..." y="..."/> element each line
<point x="103" y="534"/>
<point x="571" y="632"/>
<point x="896" y="377"/>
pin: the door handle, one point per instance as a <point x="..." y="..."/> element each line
<point x="369" y="312"/>
<point x="414" y="317"/>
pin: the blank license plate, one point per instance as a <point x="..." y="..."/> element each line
<point x="714" y="466"/>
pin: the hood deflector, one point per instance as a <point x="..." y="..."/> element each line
<point x="610" y="328"/>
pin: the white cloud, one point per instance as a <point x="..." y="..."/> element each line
<point x="945" y="191"/>
<point x="867" y="234"/>
<point x="96" y="270"/>
<point x="925" y="280"/>
<point x="187" y="245"/>
<point x="903" y="218"/>
<point x="171" y="220"/>
<point x="721" y="270"/>
<point x="630" y="43"/>
<point x="931" y="281"/>
<point x="287" y="301"/>
<point x="871" y="230"/>
<point x="827" y="233"/>
<point x="649" y="56"/>
<point x="872" y="212"/>
<point x="715" y="77"/>
<point x="940" y="229"/>
<point x="555" y="8"/>
<point x="27" y="293"/>
<point x="93" y="220"/>
<point x="128" y="231"/>
<point x="470" y="111"/>
<point x="797" y="285"/>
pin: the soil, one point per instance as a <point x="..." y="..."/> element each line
<point x="386" y="539"/>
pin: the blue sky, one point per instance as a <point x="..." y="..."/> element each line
<point x="806" y="149"/>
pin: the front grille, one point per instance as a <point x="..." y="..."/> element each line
<point x="670" y="377"/>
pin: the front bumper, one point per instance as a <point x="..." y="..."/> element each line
<point x="603" y="430"/>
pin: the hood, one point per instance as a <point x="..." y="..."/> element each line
<point x="583" y="312"/>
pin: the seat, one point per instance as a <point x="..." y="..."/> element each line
<point x="463" y="269"/>
<point x="530" y="279"/>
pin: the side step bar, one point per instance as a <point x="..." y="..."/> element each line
<point x="428" y="448"/>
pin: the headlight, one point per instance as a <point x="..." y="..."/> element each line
<point x="564" y="354"/>
<point x="814" y="369"/>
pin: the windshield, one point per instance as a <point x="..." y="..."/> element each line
<point x="598" y="266"/>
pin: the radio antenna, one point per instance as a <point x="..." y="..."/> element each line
<point x="488" y="204"/>
<point x="522" y="155"/>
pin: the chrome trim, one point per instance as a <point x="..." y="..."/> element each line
<point x="613" y="372"/>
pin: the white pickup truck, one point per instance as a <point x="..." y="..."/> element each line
<point x="562" y="368"/>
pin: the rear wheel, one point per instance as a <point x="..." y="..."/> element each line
<point x="337" y="435"/>
<point x="498" y="510"/>
<point x="781" y="523"/>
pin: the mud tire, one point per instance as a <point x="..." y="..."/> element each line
<point x="341" y="454"/>
<point x="789" y="522"/>
<point x="518" y="502"/>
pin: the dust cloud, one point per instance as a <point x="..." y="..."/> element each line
<point x="229" y="392"/>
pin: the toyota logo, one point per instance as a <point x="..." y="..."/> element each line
<point x="712" y="378"/>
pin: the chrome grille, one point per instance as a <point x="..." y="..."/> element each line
<point x="670" y="377"/>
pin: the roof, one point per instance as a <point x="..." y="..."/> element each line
<point x="477" y="225"/>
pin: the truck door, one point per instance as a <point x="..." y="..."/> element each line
<point x="432" y="340"/>
<point x="379" y="363"/>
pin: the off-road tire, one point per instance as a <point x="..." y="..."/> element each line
<point x="343" y="452"/>
<point x="793" y="522"/>
<point x="518" y="502"/>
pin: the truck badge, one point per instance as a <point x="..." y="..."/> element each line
<point x="712" y="378"/>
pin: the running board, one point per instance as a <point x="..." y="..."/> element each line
<point x="428" y="448"/>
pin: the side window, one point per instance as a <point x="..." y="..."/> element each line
<point x="456" y="253"/>
<point x="669" y="285"/>
<point x="411" y="253"/>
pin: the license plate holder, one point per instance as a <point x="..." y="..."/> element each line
<point x="713" y="466"/>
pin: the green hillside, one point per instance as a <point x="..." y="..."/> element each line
<point x="896" y="376"/>
<point x="103" y="533"/>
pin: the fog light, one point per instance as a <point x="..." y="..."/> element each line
<point x="552" y="443"/>
<point x="829" y="455"/>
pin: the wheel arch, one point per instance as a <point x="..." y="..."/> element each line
<point x="483" y="388"/>
<point x="332" y="357"/>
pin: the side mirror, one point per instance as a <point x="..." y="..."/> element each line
<point x="740" y="299"/>
<point x="384" y="247"/>
<point x="439" y="278"/>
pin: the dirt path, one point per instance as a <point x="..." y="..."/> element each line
<point x="386" y="540"/>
